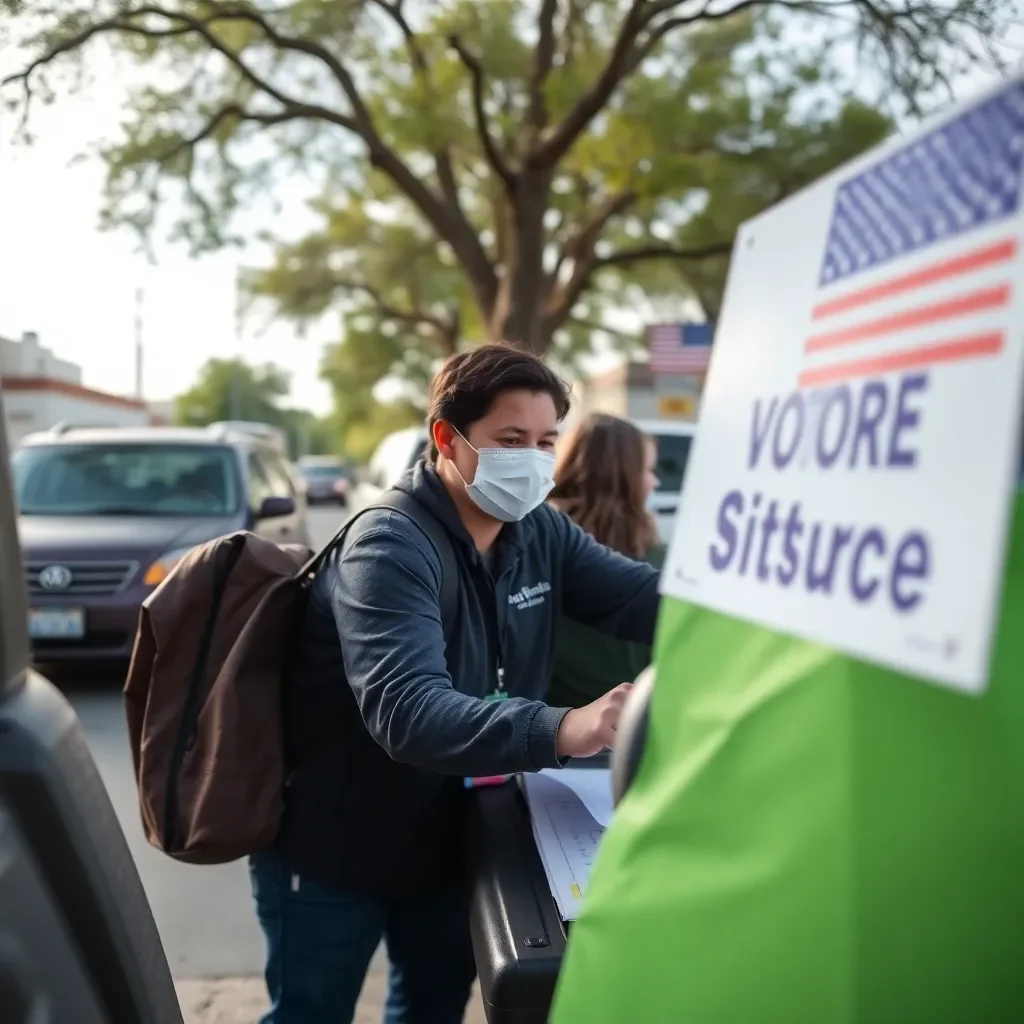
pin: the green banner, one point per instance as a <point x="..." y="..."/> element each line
<point x="812" y="840"/>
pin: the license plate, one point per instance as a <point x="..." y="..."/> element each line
<point x="56" y="624"/>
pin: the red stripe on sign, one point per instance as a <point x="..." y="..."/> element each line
<point x="926" y="355"/>
<point x="975" y="302"/>
<point x="989" y="255"/>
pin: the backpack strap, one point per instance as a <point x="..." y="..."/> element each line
<point x="402" y="501"/>
<point x="428" y="524"/>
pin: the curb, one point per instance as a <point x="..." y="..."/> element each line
<point x="244" y="1000"/>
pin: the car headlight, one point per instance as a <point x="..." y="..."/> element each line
<point x="161" y="568"/>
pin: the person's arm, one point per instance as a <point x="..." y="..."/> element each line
<point x="385" y="595"/>
<point x="604" y="589"/>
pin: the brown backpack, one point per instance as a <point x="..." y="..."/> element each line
<point x="203" y="696"/>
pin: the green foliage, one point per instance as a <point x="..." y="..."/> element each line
<point x="492" y="168"/>
<point x="232" y="389"/>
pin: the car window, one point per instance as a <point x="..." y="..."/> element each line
<point x="277" y="473"/>
<point x="125" y="479"/>
<point x="673" y="454"/>
<point x="260" y="486"/>
<point x="321" y="472"/>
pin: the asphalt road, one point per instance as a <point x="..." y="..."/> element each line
<point x="204" y="914"/>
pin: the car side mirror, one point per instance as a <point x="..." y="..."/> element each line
<point x="631" y="734"/>
<point x="275" y="507"/>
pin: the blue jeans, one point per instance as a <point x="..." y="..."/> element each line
<point x="320" y="942"/>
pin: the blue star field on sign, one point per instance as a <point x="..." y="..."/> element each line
<point x="964" y="175"/>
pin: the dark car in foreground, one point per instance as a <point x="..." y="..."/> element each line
<point x="105" y="514"/>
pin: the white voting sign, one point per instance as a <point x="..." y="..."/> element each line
<point x="857" y="454"/>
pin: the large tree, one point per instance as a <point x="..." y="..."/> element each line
<point x="492" y="168"/>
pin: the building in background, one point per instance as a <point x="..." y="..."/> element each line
<point x="633" y="391"/>
<point x="41" y="391"/>
<point x="666" y="387"/>
<point x="161" y="414"/>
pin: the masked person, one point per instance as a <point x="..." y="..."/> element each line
<point x="390" y="704"/>
<point x="604" y="478"/>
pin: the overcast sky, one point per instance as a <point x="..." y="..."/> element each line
<point x="75" y="285"/>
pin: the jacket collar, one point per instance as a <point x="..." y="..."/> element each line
<point x="423" y="483"/>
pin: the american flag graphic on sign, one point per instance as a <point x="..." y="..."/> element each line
<point x="882" y="304"/>
<point x="679" y="348"/>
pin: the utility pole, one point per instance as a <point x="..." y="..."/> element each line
<point x="236" y="383"/>
<point x="139" y="299"/>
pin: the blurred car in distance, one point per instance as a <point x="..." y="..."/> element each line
<point x="674" y="439"/>
<point x="105" y="514"/>
<point x="273" y="436"/>
<point x="326" y="479"/>
<point x="395" y="454"/>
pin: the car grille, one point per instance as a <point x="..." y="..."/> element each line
<point x="94" y="579"/>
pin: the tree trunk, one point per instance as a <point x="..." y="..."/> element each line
<point x="518" y="314"/>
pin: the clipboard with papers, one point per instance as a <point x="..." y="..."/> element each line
<point x="569" y="811"/>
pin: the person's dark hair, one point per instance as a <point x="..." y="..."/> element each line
<point x="599" y="483"/>
<point x="465" y="387"/>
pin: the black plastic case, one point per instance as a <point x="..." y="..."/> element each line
<point x="518" y="934"/>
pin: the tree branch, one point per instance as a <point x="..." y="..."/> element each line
<point x="661" y="251"/>
<point x="631" y="47"/>
<point x="239" y="113"/>
<point x="442" y="214"/>
<point x="393" y="8"/>
<point x="490" y="147"/>
<point x="597" y="325"/>
<point x="543" y="61"/>
<point x="446" y="330"/>
<point x="549" y="151"/>
<point x="187" y="24"/>
<point x="442" y="157"/>
<point x="581" y="249"/>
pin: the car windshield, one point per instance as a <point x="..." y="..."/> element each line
<point x="321" y="472"/>
<point x="673" y="453"/>
<point x="126" y="480"/>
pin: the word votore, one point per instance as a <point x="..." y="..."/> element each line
<point x="830" y="430"/>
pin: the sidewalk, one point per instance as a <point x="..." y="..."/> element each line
<point x="242" y="1000"/>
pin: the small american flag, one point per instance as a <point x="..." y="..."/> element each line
<point x="679" y="348"/>
<point x="935" y="193"/>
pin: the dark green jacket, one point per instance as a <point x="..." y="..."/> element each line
<point x="589" y="663"/>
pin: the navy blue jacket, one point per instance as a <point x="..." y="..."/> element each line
<point x="383" y="708"/>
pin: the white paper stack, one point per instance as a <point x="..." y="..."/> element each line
<point x="569" y="810"/>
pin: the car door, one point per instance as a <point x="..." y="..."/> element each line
<point x="265" y="483"/>
<point x="673" y="456"/>
<point x="77" y="937"/>
<point x="284" y="485"/>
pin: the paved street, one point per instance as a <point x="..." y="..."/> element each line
<point x="204" y="913"/>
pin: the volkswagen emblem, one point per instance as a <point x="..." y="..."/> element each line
<point x="55" y="577"/>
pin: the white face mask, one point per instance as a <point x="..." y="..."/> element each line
<point x="511" y="482"/>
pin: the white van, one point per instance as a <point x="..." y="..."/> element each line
<point x="674" y="439"/>
<point x="395" y="454"/>
<point x="398" y="451"/>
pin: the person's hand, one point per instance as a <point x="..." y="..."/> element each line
<point x="589" y="730"/>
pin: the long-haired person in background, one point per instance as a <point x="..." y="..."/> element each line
<point x="604" y="476"/>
